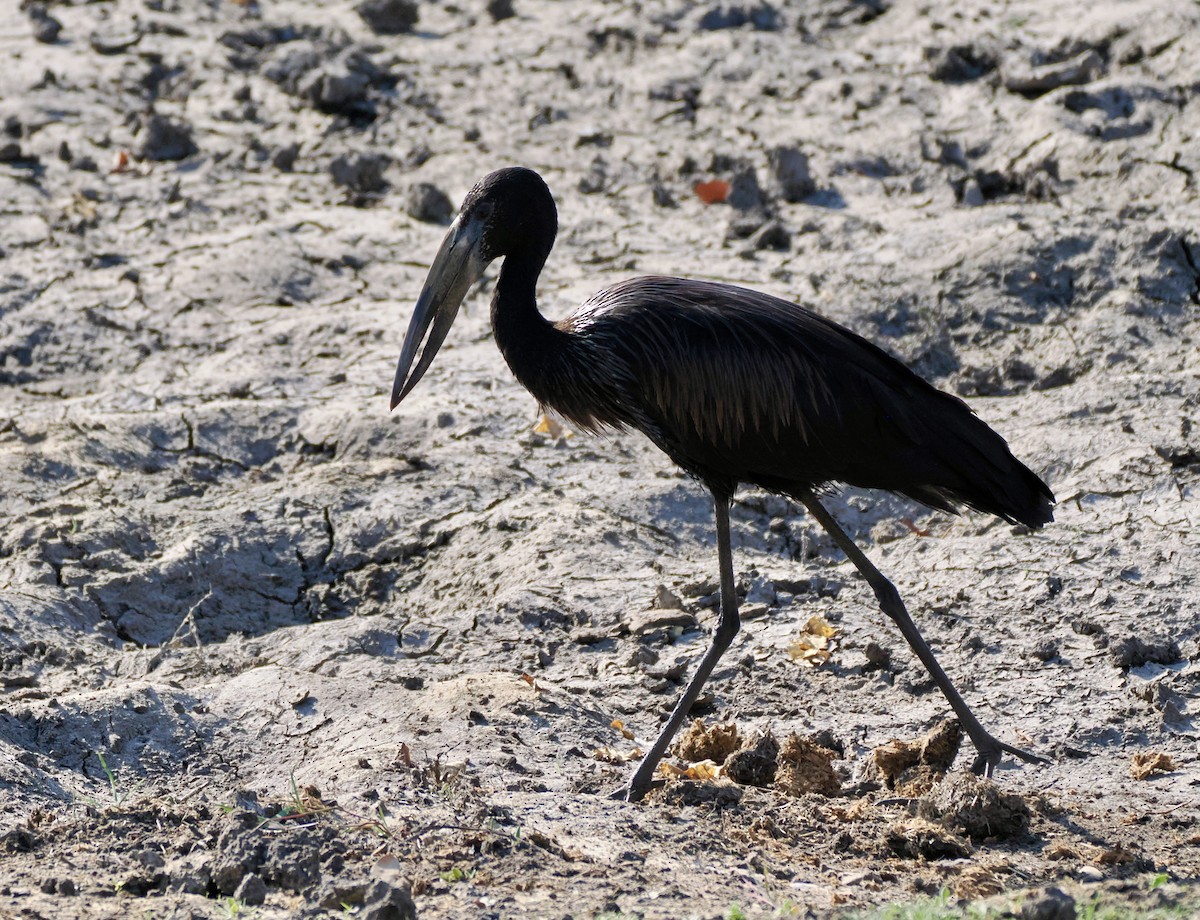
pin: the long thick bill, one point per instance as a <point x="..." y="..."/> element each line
<point x="455" y="268"/>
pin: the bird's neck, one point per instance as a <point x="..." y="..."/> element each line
<point x="525" y="337"/>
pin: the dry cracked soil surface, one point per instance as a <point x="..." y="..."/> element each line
<point x="267" y="649"/>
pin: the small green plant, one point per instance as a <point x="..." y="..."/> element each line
<point x="1159" y="880"/>
<point x="296" y="805"/>
<point x="457" y="874"/>
<point x="735" y="912"/>
<point x="233" y="907"/>
<point x="378" y="825"/>
<point x="1094" y="910"/>
<point x="935" y="908"/>
<point x="119" y="796"/>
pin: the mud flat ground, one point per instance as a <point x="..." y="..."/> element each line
<point x="270" y="650"/>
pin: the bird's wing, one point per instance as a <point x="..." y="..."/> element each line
<point x="742" y="386"/>
<point x="723" y="363"/>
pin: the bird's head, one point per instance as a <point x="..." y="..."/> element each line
<point x="509" y="211"/>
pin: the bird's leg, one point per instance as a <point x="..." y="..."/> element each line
<point x="727" y="627"/>
<point x="988" y="748"/>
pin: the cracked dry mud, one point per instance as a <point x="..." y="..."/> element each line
<point x="235" y="591"/>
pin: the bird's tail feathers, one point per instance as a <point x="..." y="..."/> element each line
<point x="981" y="472"/>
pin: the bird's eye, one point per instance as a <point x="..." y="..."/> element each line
<point x="483" y="210"/>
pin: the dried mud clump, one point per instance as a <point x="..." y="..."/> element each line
<point x="1133" y="652"/>
<point x="977" y="807"/>
<point x="914" y="767"/>
<point x="425" y="201"/>
<point x="755" y="763"/>
<point x="164" y="139"/>
<point x="805" y="766"/>
<point x="45" y="27"/>
<point x="702" y="743"/>
<point x="388" y="17"/>
<point x="790" y="171"/>
<point x="1049" y="904"/>
<point x="961" y="63"/>
<point x="294" y="860"/>
<point x="361" y="173"/>
<point x="384" y="901"/>
<point x="918" y="838"/>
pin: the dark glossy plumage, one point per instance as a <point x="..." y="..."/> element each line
<point x="736" y="387"/>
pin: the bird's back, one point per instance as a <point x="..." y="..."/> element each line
<point x="738" y="386"/>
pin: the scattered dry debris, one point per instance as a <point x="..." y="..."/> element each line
<point x="552" y="428"/>
<point x="171" y="434"/>
<point x="1061" y="851"/>
<point x="607" y="754"/>
<point x="683" y="792"/>
<point x="1118" y="855"/>
<point x="1146" y="763"/>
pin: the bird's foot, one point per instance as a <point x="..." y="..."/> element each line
<point x="631" y="792"/>
<point x="991" y="751"/>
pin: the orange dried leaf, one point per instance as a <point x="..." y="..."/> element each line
<point x="712" y="192"/>
<point x="620" y="726"/>
<point x="547" y="425"/>
<point x="121" y="161"/>
<point x="405" y="755"/>
<point x="705" y="770"/>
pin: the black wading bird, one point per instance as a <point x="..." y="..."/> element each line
<point x="734" y="386"/>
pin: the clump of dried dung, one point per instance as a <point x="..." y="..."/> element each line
<point x="914" y="767"/>
<point x="805" y="766"/>
<point x="756" y="762"/>
<point x="917" y="838"/>
<point x="700" y="742"/>
<point x="977" y="807"/>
